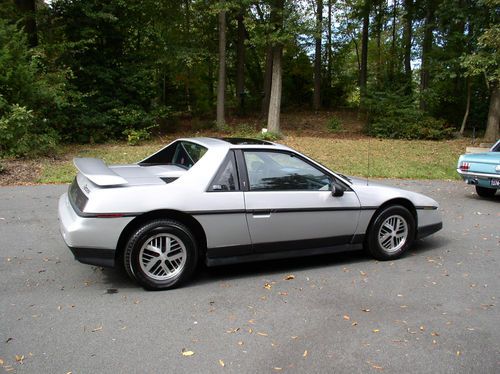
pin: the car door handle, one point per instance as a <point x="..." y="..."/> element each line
<point x="261" y="214"/>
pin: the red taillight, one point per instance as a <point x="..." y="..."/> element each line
<point x="465" y="166"/>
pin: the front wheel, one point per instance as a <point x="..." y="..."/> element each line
<point x="162" y="254"/>
<point x="485" y="192"/>
<point x="391" y="233"/>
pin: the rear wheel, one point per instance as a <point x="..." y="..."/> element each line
<point x="391" y="233"/>
<point x="162" y="254"/>
<point x="485" y="192"/>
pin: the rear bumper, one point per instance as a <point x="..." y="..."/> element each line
<point x="94" y="256"/>
<point x="92" y="240"/>
<point x="478" y="179"/>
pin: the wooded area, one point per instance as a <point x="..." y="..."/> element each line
<point x="90" y="71"/>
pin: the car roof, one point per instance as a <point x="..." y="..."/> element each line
<point x="236" y="143"/>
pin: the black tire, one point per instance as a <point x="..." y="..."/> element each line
<point x="485" y="191"/>
<point x="169" y="268"/>
<point x="382" y="223"/>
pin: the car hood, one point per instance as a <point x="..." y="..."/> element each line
<point x="373" y="194"/>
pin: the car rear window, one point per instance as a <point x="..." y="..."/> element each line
<point x="181" y="153"/>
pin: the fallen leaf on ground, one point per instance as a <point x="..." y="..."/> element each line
<point x="305" y="353"/>
<point x="284" y="293"/>
<point x="231" y="331"/>
<point x="1" y="361"/>
<point x="376" y="330"/>
<point x="434" y="333"/>
<point x="221" y="363"/>
<point x="267" y="286"/>
<point x="354" y="323"/>
<point x="365" y="310"/>
<point x="422" y="328"/>
<point x="20" y="358"/>
<point x="277" y="368"/>
<point x="97" y="329"/>
<point x="187" y="353"/>
<point x="289" y="277"/>
<point x="262" y="334"/>
<point x="458" y="353"/>
<point x="347" y="318"/>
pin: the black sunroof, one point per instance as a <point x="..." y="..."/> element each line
<point x="244" y="141"/>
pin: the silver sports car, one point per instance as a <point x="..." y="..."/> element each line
<point x="230" y="200"/>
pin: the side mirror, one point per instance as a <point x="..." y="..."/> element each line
<point x="337" y="189"/>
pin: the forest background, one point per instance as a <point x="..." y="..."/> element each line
<point x="90" y="71"/>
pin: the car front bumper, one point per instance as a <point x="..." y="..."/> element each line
<point x="91" y="240"/>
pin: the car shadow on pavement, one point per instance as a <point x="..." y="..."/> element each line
<point x="118" y="279"/>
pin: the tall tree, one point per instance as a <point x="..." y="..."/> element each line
<point x="329" y="45"/>
<point x="28" y="9"/>
<point x="221" y="85"/>
<point x="273" y="118"/>
<point x="240" y="60"/>
<point x="363" y="74"/>
<point x="407" y="40"/>
<point x="317" y="55"/>
<point x="426" y="50"/>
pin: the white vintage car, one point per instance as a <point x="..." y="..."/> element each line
<point x="230" y="200"/>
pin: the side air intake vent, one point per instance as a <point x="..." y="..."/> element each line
<point x="168" y="180"/>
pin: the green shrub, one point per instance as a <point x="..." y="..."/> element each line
<point x="270" y="136"/>
<point x="244" y="130"/>
<point x="334" y="125"/>
<point x="22" y="136"/>
<point x="396" y="116"/>
<point x="135" y="137"/>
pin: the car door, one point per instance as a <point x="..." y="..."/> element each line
<point x="289" y="204"/>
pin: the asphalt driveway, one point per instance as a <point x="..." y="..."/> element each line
<point x="434" y="311"/>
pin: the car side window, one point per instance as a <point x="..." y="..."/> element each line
<point x="226" y="178"/>
<point x="278" y="171"/>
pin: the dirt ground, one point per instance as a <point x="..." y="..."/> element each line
<point x="306" y="123"/>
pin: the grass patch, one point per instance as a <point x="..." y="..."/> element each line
<point x="416" y="159"/>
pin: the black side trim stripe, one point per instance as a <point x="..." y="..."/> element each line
<point x="428" y="207"/>
<point x="289" y="245"/>
<point x="278" y="210"/>
<point x="106" y="215"/>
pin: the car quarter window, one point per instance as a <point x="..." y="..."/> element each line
<point x="278" y="171"/>
<point x="226" y="178"/>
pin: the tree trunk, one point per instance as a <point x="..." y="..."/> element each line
<point x="467" y="107"/>
<point x="268" y="74"/>
<point x="273" y="119"/>
<point x="329" y="46"/>
<point x="363" y="73"/>
<point x="317" y="56"/>
<point x="240" y="63"/>
<point x="407" y="35"/>
<point x="492" y="134"/>
<point x="426" y="49"/>
<point x="392" y="62"/>
<point x="28" y="9"/>
<point x="221" y="86"/>
<point x="379" y="21"/>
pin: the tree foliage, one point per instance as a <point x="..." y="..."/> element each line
<point x="104" y="70"/>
